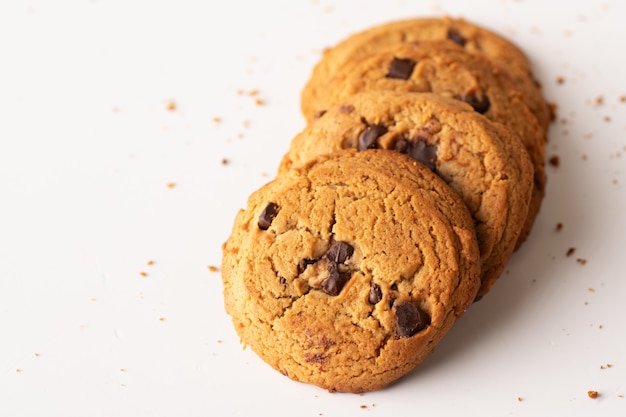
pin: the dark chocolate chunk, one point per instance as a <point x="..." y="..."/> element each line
<point x="481" y="106"/>
<point x="376" y="294"/>
<point x="401" y="68"/>
<point x="333" y="284"/>
<point x="304" y="263"/>
<point x="367" y="138"/>
<point x="282" y="280"/>
<point x="267" y="216"/>
<point x="456" y="37"/>
<point x="339" y="252"/>
<point x="410" y="319"/>
<point x="419" y="150"/>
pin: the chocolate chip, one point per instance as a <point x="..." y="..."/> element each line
<point x="339" y="252"/>
<point x="401" y="68"/>
<point x="282" y="280"/>
<point x="267" y="216"/>
<point x="481" y="106"/>
<point x="419" y="150"/>
<point x="367" y="138"/>
<point x="335" y="281"/>
<point x="456" y="37"/>
<point x="319" y="114"/>
<point x="376" y="294"/>
<point x="346" y="108"/>
<point x="410" y="320"/>
<point x="304" y="263"/>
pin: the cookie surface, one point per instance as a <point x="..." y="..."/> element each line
<point x="471" y="37"/>
<point x="444" y="68"/>
<point x="483" y="161"/>
<point x="347" y="272"/>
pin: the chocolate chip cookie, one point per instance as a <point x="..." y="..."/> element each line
<point x="445" y="68"/>
<point x="483" y="161"/>
<point x="471" y="37"/>
<point x="346" y="271"/>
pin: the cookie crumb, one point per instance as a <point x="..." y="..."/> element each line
<point x="622" y="99"/>
<point x="122" y="370"/>
<point x="581" y="261"/>
<point x="560" y="80"/>
<point x="213" y="268"/>
<point x="259" y="102"/>
<point x="18" y="370"/>
<point x="225" y="161"/>
<point x="143" y="274"/>
<point x="161" y="318"/>
<point x="554" y="161"/>
<point x="362" y="406"/>
<point x="593" y="394"/>
<point x="150" y="262"/>
<point x="570" y="251"/>
<point x="170" y="185"/>
<point x="254" y="92"/>
<point x="599" y="100"/>
<point x="590" y="289"/>
<point x="520" y="399"/>
<point x="559" y="227"/>
<point x="607" y="119"/>
<point x="170" y="105"/>
<point x="37" y="354"/>
<point x="217" y="120"/>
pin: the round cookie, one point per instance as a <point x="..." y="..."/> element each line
<point x="484" y="162"/>
<point x="445" y="68"/>
<point x="346" y="272"/>
<point x="470" y="36"/>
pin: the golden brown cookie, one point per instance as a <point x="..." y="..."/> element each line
<point x="445" y="68"/>
<point x="484" y="162"/>
<point x="471" y="37"/>
<point x="347" y="271"/>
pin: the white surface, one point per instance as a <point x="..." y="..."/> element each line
<point x="87" y="148"/>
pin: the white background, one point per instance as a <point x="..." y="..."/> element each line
<point x="88" y="148"/>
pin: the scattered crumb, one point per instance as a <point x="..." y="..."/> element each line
<point x="217" y="120"/>
<point x="570" y="251"/>
<point x="600" y="326"/>
<point x="219" y="340"/>
<point x="622" y="99"/>
<point x="122" y="370"/>
<point x="161" y="318"/>
<point x="607" y="119"/>
<point x="599" y="100"/>
<point x="620" y="396"/>
<point x="246" y="123"/>
<point x="554" y="161"/>
<point x="584" y="157"/>
<point x="37" y="354"/>
<point x="559" y="227"/>
<point x="581" y="261"/>
<point x="213" y="268"/>
<point x="362" y="406"/>
<point x="225" y="161"/>
<point x="150" y="262"/>
<point x="593" y="394"/>
<point x="560" y="80"/>
<point x="170" y="185"/>
<point x="520" y="399"/>
<point x="170" y="105"/>
<point x="259" y="102"/>
<point x="252" y="93"/>
<point x="18" y="370"/>
<point x="143" y="274"/>
<point x="591" y="289"/>
<point x="115" y="109"/>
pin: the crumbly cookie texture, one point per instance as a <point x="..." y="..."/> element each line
<point x="445" y="68"/>
<point x="483" y="161"/>
<point x="471" y="37"/>
<point x="346" y="271"/>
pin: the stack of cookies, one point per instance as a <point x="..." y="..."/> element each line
<point x="420" y="172"/>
